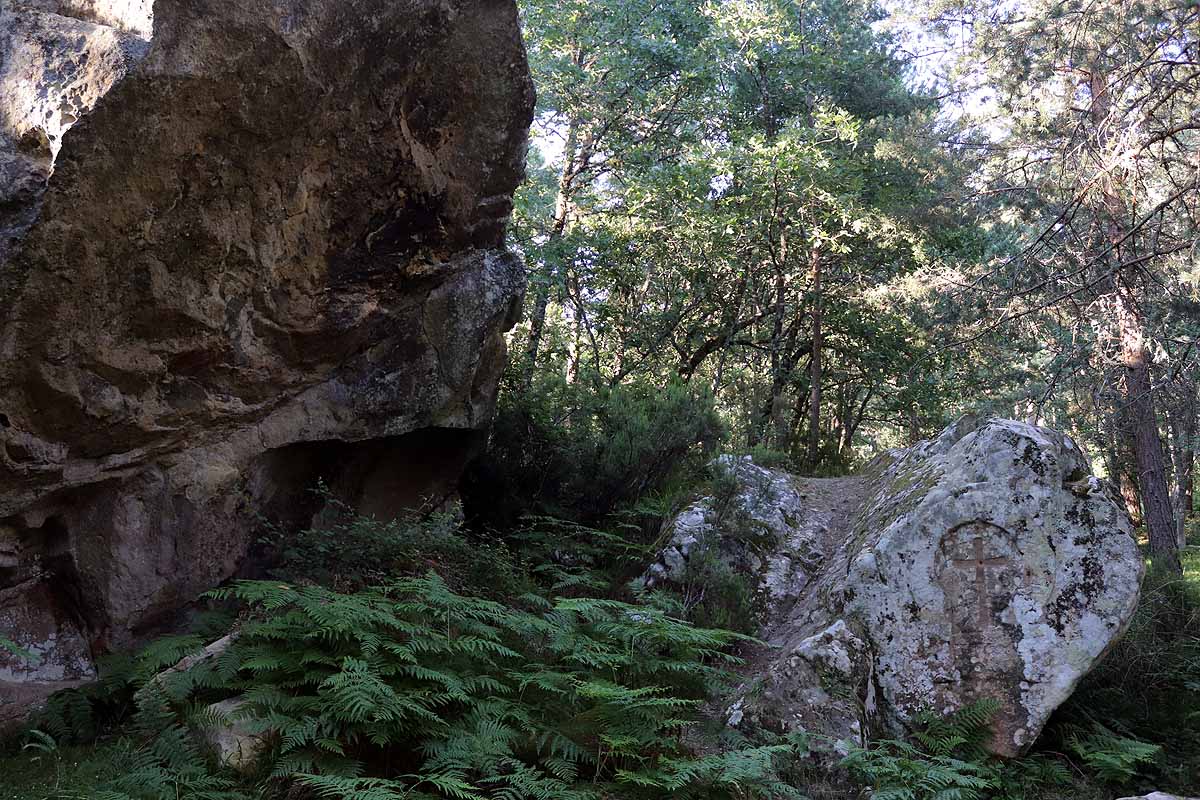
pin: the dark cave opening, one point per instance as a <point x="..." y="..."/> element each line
<point x="387" y="478"/>
<point x="47" y="555"/>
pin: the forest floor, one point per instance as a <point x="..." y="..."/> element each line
<point x="39" y="771"/>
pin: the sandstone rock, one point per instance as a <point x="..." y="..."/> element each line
<point x="1159" y="796"/>
<point x="243" y="245"/>
<point x="985" y="564"/>
<point x="54" y="69"/>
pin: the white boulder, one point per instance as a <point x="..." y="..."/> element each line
<point x="987" y="564"/>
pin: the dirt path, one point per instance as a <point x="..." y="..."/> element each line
<point x="833" y="503"/>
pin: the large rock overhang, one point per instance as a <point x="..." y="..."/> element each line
<point x="261" y="226"/>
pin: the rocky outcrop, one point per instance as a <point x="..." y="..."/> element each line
<point x="987" y="564"/>
<point x="243" y="245"/>
<point x="761" y="525"/>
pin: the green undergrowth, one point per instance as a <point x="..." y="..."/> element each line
<point x="415" y="659"/>
<point x="946" y="759"/>
<point x="1147" y="689"/>
<point x="63" y="771"/>
<point x="540" y="683"/>
<point x="582" y="451"/>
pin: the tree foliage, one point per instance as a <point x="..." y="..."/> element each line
<point x="766" y="239"/>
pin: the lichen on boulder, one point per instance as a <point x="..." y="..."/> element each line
<point x="985" y="564"/>
<point x="1006" y="575"/>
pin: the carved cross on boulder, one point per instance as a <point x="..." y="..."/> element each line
<point x="980" y="564"/>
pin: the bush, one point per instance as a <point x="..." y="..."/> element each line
<point x="720" y="580"/>
<point x="712" y="593"/>
<point x="1111" y="758"/>
<point x="579" y="452"/>
<point x="349" y="551"/>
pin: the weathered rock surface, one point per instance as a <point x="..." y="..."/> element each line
<point x="985" y="564"/>
<point x="242" y="245"/>
<point x="763" y="527"/>
<point x="995" y="566"/>
<point x="234" y="739"/>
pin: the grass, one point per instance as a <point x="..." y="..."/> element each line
<point x="64" y="773"/>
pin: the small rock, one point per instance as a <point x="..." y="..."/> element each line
<point x="237" y="740"/>
<point x="835" y="648"/>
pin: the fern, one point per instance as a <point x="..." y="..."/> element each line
<point x="422" y="687"/>
<point x="947" y="761"/>
<point x="964" y="732"/>
<point x="568" y="700"/>
<point x="1112" y="758"/>
<point x="899" y="771"/>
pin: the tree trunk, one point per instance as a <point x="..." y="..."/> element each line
<point x="773" y="408"/>
<point x="1182" y="426"/>
<point x="1118" y="455"/>
<point x="780" y="369"/>
<point x="1175" y="460"/>
<point x="914" y="425"/>
<point x="1187" y="483"/>
<point x="1131" y="328"/>
<point x="854" y="421"/>
<point x="537" y="323"/>
<point x="1127" y="483"/>
<point x="576" y="159"/>
<point x="814" y="390"/>
<point x="1147" y="448"/>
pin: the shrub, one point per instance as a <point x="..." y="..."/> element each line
<point x="772" y="459"/>
<point x="719" y="584"/>
<point x="944" y="763"/>
<point x="714" y="594"/>
<point x="350" y="551"/>
<point x="581" y="452"/>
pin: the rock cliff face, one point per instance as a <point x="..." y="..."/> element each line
<point x="243" y="245"/>
<point x="987" y="564"/>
